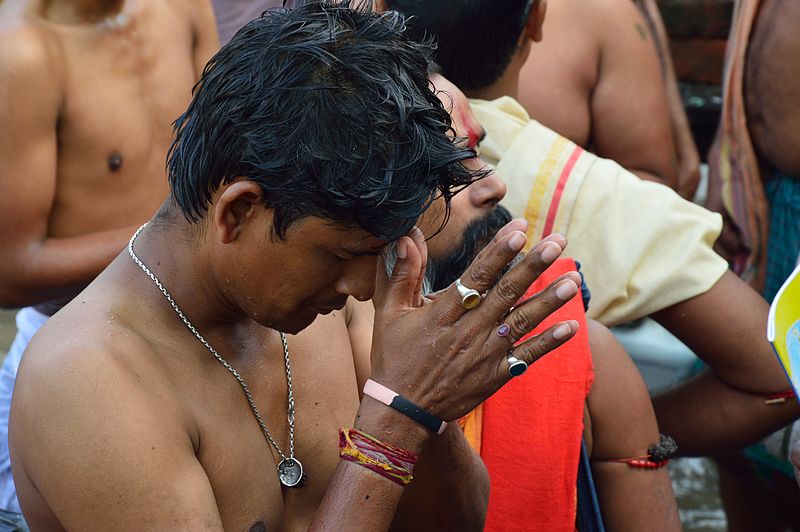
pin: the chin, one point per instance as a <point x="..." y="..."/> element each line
<point x="292" y="323"/>
<point x="296" y="323"/>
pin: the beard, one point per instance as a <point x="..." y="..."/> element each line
<point x="442" y="271"/>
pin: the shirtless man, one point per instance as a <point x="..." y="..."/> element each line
<point x="278" y="213"/>
<point x="90" y="90"/>
<point x="596" y="78"/>
<point x="557" y="185"/>
<point x="755" y="183"/>
<point x="773" y="120"/>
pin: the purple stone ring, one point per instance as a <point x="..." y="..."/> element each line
<point x="504" y="330"/>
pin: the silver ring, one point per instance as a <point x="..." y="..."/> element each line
<point x="470" y="298"/>
<point x="516" y="367"/>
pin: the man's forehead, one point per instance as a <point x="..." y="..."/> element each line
<point x="355" y="241"/>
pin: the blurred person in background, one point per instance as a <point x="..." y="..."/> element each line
<point x="754" y="182"/>
<point x="602" y="77"/>
<point x="665" y="268"/>
<point x="233" y="14"/>
<point x="89" y="91"/>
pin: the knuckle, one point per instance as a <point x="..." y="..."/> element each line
<point x="481" y="275"/>
<point x="520" y="324"/>
<point x="506" y="290"/>
<point x="536" y="348"/>
<point x="535" y="266"/>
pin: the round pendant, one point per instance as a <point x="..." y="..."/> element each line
<point x="290" y="472"/>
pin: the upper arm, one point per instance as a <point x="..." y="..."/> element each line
<point x="623" y="425"/>
<point x="630" y="113"/>
<point x="103" y="450"/>
<point x="206" y="39"/>
<point x="360" y="320"/>
<point x="29" y="107"/>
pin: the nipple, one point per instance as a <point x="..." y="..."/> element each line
<point x="114" y="161"/>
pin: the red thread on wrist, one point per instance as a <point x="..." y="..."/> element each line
<point x="779" y="398"/>
<point x="657" y="455"/>
<point x="642" y="462"/>
<point x="390" y="462"/>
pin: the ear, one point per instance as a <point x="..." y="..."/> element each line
<point x="235" y="206"/>
<point x="533" y="26"/>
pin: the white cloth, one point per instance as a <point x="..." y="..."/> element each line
<point x="28" y="322"/>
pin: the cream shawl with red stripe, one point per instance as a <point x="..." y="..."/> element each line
<point x="641" y="246"/>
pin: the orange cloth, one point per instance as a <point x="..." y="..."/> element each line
<point x="531" y="430"/>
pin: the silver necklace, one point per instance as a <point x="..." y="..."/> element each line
<point x="290" y="470"/>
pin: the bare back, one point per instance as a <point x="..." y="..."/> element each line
<point x="148" y="405"/>
<point x="92" y="107"/>
<point x="772" y="86"/>
<point x="595" y="78"/>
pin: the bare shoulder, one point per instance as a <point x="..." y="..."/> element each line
<point x="92" y="417"/>
<point x="197" y="12"/>
<point x="608" y="354"/>
<point x="608" y="10"/>
<point x="28" y="56"/>
<point x="604" y="19"/>
<point x="24" y="40"/>
<point x="84" y="362"/>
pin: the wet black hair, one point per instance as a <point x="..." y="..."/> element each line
<point x="329" y="109"/>
<point x="476" y="39"/>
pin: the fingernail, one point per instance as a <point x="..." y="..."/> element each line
<point x="516" y="242"/>
<point x="550" y="253"/>
<point x="566" y="290"/>
<point x="402" y="250"/>
<point x="561" y="331"/>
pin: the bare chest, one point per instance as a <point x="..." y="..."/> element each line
<point x="122" y="89"/>
<point x="241" y="462"/>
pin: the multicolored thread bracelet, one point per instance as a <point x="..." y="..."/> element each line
<point x="389" y="461"/>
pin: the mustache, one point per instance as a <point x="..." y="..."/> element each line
<point x="444" y="270"/>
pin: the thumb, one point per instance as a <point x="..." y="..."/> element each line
<point x="405" y="276"/>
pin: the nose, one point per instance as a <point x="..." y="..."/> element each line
<point x="487" y="192"/>
<point x="358" y="278"/>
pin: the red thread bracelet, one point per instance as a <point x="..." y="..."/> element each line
<point x="390" y="462"/>
<point x="778" y="398"/>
